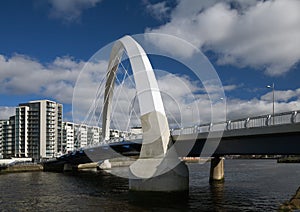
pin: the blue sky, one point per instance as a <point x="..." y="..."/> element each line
<point x="44" y="44"/>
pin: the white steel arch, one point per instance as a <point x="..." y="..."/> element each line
<point x="153" y="118"/>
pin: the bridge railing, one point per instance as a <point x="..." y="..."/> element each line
<point x="290" y="117"/>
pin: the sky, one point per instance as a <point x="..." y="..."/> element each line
<point x="44" y="45"/>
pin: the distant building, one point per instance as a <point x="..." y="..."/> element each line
<point x="38" y="129"/>
<point x="1" y="139"/>
<point x="8" y="137"/>
<point x="79" y="135"/>
<point x="94" y="135"/>
<point x="136" y="130"/>
<point x="68" y="137"/>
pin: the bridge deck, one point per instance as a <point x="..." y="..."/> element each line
<point x="251" y="136"/>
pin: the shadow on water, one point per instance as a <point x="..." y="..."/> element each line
<point x="160" y="201"/>
<point x="105" y="184"/>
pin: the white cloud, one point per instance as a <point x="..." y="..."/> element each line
<point x="241" y="109"/>
<point x="6" y="112"/>
<point x="284" y="96"/>
<point x="259" y="34"/>
<point x="159" y="10"/>
<point x="186" y="103"/>
<point x="70" y="10"/>
<point x="21" y="75"/>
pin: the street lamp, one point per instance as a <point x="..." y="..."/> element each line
<point x="273" y="88"/>
<point x="225" y="106"/>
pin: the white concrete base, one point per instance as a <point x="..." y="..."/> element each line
<point x="216" y="170"/>
<point x="159" y="175"/>
<point x="105" y="165"/>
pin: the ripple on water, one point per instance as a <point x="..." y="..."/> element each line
<point x="250" y="185"/>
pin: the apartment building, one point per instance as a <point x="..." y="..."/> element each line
<point x="38" y="129"/>
<point x="1" y="138"/>
<point x="94" y="135"/>
<point x="79" y="135"/>
<point x="8" y="137"/>
<point x="68" y="137"/>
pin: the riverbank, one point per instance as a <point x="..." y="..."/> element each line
<point x="293" y="204"/>
<point x="291" y="159"/>
<point x="22" y="168"/>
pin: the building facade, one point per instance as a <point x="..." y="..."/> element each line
<point x="68" y="137"/>
<point x="8" y="137"/>
<point x="38" y="129"/>
<point x="1" y="138"/>
<point x="79" y="135"/>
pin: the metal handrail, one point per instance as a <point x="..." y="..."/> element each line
<point x="290" y="117"/>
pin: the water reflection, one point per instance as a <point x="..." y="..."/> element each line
<point x="160" y="201"/>
<point x="217" y="195"/>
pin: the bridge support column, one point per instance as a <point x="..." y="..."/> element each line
<point x="157" y="169"/>
<point x="155" y="175"/>
<point x="216" y="170"/>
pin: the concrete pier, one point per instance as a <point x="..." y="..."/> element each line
<point x="154" y="175"/>
<point x="157" y="169"/>
<point x="216" y="170"/>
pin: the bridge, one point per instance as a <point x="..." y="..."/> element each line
<point x="158" y="148"/>
<point x="250" y="136"/>
<point x="257" y="135"/>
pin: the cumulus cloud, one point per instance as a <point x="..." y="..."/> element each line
<point x="283" y="96"/>
<point x="6" y="112"/>
<point x="22" y="75"/>
<point x="186" y="104"/>
<point x="159" y="10"/>
<point x="238" y="108"/>
<point x="70" y="10"/>
<point x="259" y="34"/>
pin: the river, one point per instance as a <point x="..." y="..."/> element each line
<point x="250" y="185"/>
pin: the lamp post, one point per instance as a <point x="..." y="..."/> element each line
<point x="273" y="88"/>
<point x="225" y="106"/>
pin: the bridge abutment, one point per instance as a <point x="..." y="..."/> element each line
<point x="216" y="170"/>
<point x="159" y="175"/>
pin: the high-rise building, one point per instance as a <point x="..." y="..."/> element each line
<point x="8" y="137"/>
<point x="1" y="138"/>
<point x="38" y="129"/>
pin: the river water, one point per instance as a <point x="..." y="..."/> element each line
<point x="250" y="185"/>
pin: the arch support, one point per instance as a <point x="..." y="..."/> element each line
<point x="153" y="171"/>
<point x="153" y="118"/>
